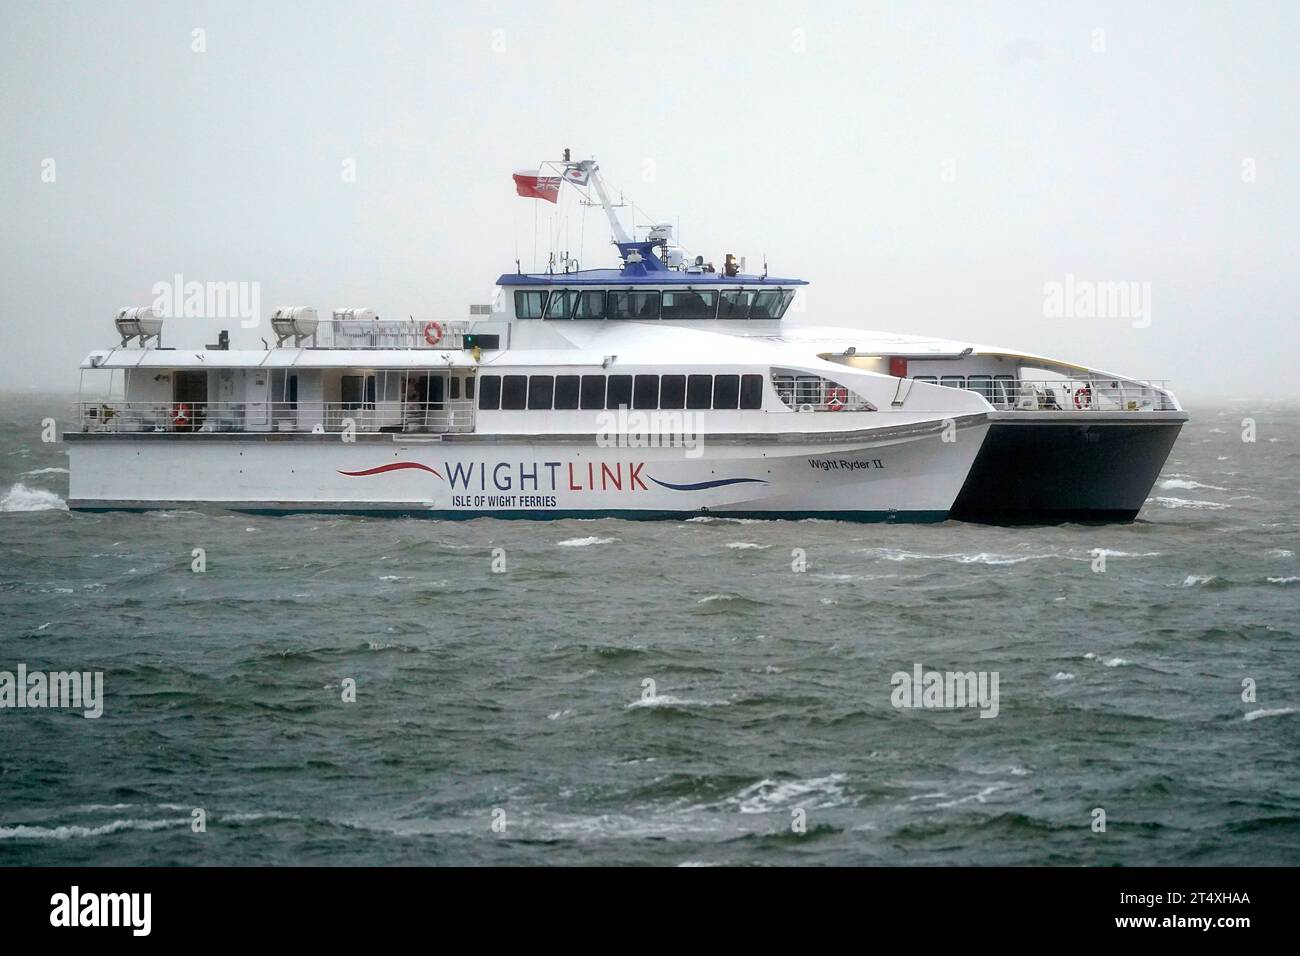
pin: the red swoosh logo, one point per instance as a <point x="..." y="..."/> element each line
<point x="392" y="466"/>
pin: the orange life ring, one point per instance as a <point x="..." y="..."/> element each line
<point x="432" y="333"/>
<point x="837" y="396"/>
<point x="1083" y="398"/>
<point x="180" y="414"/>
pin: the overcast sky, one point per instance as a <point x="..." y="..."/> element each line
<point x="928" y="167"/>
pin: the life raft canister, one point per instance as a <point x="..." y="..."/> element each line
<point x="432" y="333"/>
<point x="180" y="414"/>
<point x="837" y="396"/>
<point x="1083" y="398"/>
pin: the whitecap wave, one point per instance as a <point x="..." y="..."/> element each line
<point x="583" y="542"/>
<point x="22" y="498"/>
<point x="747" y="546"/>
<point x="1270" y="712"/>
<point x="668" y="700"/>
<point x="1192" y="580"/>
<point x="74" y="831"/>
<point x="44" y="471"/>
<point x="1186" y="484"/>
<point x="1191" y="503"/>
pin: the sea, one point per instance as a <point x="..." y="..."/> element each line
<point x="368" y="691"/>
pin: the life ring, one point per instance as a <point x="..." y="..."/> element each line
<point x="432" y="333"/>
<point x="837" y="396"/>
<point x="1083" y="398"/>
<point x="180" y="414"/>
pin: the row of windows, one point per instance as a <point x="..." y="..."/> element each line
<point x="568" y="392"/>
<point x="643" y="305"/>
<point x="996" y="389"/>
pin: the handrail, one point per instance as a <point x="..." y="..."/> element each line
<point x="183" y="418"/>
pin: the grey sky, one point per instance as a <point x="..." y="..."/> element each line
<point x="927" y="167"/>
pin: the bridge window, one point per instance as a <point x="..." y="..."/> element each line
<point x="489" y="393"/>
<point x="690" y="305"/>
<point x="699" y="392"/>
<point x="735" y="305"/>
<point x="566" y="392"/>
<point x="455" y="388"/>
<point x="672" y="391"/>
<point x="633" y="305"/>
<point x="561" y="305"/>
<point x="541" y="390"/>
<point x="645" y="394"/>
<point x="529" y="305"/>
<point x="726" y="391"/>
<point x="619" y="394"/>
<point x="768" y="305"/>
<point x="751" y="391"/>
<point x="514" y="392"/>
<point x="593" y="391"/>
<point x="590" y="305"/>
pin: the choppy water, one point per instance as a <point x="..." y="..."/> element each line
<point x="523" y="691"/>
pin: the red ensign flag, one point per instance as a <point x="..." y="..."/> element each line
<point x="532" y="185"/>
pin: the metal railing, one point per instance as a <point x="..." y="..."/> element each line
<point x="1081" y="394"/>
<point x="220" y="417"/>
<point x="384" y="334"/>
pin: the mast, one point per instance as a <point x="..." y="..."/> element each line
<point x="620" y="236"/>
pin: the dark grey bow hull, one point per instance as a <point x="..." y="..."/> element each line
<point x="1050" y="467"/>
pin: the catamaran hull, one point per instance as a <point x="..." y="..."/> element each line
<point x="911" y="474"/>
<point x="1041" y="468"/>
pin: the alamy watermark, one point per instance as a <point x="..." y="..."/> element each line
<point x="74" y="690"/>
<point x="945" y="690"/>
<point x="624" y="428"/>
<point x="1085" y="299"/>
<point x="179" y="299"/>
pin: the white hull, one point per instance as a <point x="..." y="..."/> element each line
<point x="905" y="473"/>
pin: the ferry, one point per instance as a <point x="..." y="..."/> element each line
<point x="664" y="387"/>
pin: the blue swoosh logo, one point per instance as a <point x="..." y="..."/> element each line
<point x="701" y="485"/>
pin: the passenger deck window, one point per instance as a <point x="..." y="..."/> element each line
<point x="928" y="379"/>
<point x="619" y="394"/>
<point x="469" y="387"/>
<point x="591" y="305"/>
<point x="699" y="392"/>
<point x="514" y="392"/>
<point x="561" y="305"/>
<point x="981" y="385"/>
<point x="634" y="305"/>
<point x="593" y="391"/>
<point x="645" y="394"/>
<point x="784" y="385"/>
<point x="672" y="391"/>
<point x="726" y="391"/>
<point x="529" y="305"/>
<point x="690" y="305"/>
<point x="953" y="381"/>
<point x="735" y="305"/>
<point x="1005" y="391"/>
<point x="751" y="391"/>
<point x="566" y="392"/>
<point x="541" y="390"/>
<point x="489" y="395"/>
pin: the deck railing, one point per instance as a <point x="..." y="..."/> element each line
<point x="384" y="334"/>
<point x="1076" y="395"/>
<point x="184" y="418"/>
